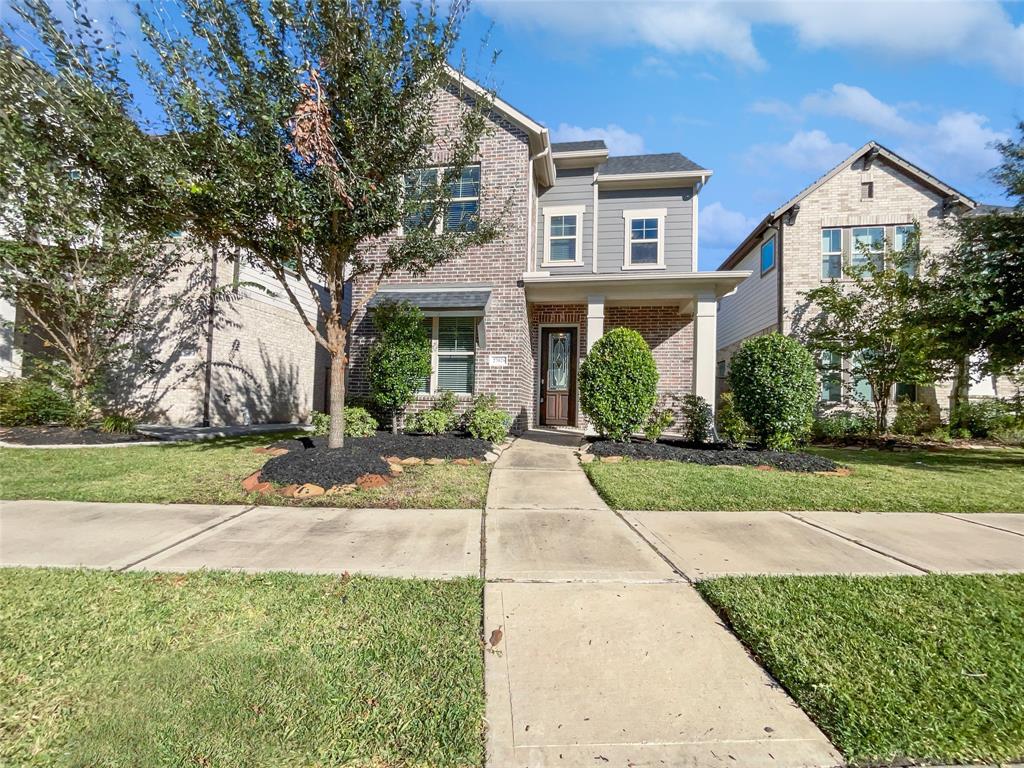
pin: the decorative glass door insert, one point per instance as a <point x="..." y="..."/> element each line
<point x="558" y="361"/>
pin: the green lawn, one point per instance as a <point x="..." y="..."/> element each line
<point x="209" y="473"/>
<point x="881" y="481"/>
<point x="929" y="668"/>
<point x="216" y="669"/>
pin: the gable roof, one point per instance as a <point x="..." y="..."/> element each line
<point x="591" y="145"/>
<point x="872" y="146"/>
<point x="668" y="162"/>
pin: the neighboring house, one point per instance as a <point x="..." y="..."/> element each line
<point x="250" y="361"/>
<point x="871" y="200"/>
<point x="589" y="243"/>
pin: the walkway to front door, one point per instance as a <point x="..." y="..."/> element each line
<point x="599" y="652"/>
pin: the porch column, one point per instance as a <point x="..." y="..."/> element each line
<point x="705" y="342"/>
<point x="595" y="320"/>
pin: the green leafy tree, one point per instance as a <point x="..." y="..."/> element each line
<point x="774" y="386"/>
<point x="873" y="320"/>
<point x="301" y="123"/>
<point x="399" y="358"/>
<point x="86" y="200"/>
<point x="618" y="383"/>
<point x="975" y="304"/>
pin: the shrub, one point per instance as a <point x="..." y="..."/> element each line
<point x="842" y="424"/>
<point x="696" y="414"/>
<point x="28" y="402"/>
<point x="980" y="418"/>
<point x="775" y="385"/>
<point x="940" y="434"/>
<point x="1009" y="435"/>
<point x="618" y="381"/>
<point x="439" y="418"/>
<point x="117" y="424"/>
<point x="911" y="418"/>
<point x="731" y="425"/>
<point x="660" y="420"/>
<point x="358" y="422"/>
<point x="399" y="359"/>
<point x="484" y="420"/>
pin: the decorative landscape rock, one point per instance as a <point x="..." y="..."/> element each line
<point x="490" y="457"/>
<point x="411" y="461"/>
<point x="715" y="454"/>
<point x="434" y="462"/>
<point x="368" y="481"/>
<point x="308" y="491"/>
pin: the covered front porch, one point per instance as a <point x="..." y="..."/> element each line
<point x="675" y="314"/>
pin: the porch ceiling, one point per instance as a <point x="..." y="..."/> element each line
<point x="542" y="287"/>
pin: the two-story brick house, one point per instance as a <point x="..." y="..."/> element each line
<point x="590" y="242"/>
<point x="870" y="201"/>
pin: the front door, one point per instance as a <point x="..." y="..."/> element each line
<point x="558" y="377"/>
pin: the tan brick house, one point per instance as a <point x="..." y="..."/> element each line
<point x="590" y="242"/>
<point x="871" y="200"/>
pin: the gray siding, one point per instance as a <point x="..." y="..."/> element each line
<point x="574" y="186"/>
<point x="754" y="306"/>
<point x="611" y="239"/>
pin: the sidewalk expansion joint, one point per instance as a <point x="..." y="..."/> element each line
<point x="653" y="546"/>
<point x="967" y="519"/>
<point x="215" y="524"/>
<point x="859" y="543"/>
<point x="584" y="580"/>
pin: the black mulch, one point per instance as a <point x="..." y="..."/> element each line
<point x="65" y="436"/>
<point x="715" y="454"/>
<point x="309" y="460"/>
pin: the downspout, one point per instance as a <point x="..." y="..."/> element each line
<point x="778" y="271"/>
<point x="210" y="323"/>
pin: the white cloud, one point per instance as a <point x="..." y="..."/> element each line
<point x="965" y="31"/>
<point x="807" y="151"/>
<point x="721" y="227"/>
<point x="958" y="146"/>
<point x="655" y="66"/>
<point x="777" y="108"/>
<point x="855" y="103"/>
<point x="619" y="140"/>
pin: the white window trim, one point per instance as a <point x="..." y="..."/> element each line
<point x="839" y="253"/>
<point x="855" y="251"/>
<point x="435" y="352"/>
<point x="564" y="210"/>
<point x="441" y="169"/>
<point x="628" y="217"/>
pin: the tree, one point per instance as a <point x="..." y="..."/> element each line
<point x="975" y="304"/>
<point x="774" y="388"/>
<point x="618" y="383"/>
<point x="399" y="358"/>
<point x="873" y="321"/>
<point x="86" y="199"/>
<point x="306" y="126"/>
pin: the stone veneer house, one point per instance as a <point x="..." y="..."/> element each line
<point x="871" y="200"/>
<point x="590" y="242"/>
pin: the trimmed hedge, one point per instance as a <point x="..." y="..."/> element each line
<point x="618" y="383"/>
<point x="775" y="387"/>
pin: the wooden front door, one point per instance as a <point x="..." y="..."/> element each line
<point x="558" y="377"/>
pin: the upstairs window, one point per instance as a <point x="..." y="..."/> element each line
<point x="645" y="239"/>
<point x="905" y="242"/>
<point x="768" y="255"/>
<point x="868" y="245"/>
<point x="563" y="230"/>
<point x="831" y="253"/>
<point x="463" y="209"/>
<point x="420" y="186"/>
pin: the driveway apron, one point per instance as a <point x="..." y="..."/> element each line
<point x="599" y="652"/>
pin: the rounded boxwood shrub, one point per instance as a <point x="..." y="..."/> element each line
<point x="775" y="387"/>
<point x="618" y="383"/>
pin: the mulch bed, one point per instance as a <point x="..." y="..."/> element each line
<point x="714" y="454"/>
<point x="65" y="436"/>
<point x="309" y="460"/>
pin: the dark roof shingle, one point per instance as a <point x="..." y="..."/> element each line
<point x="475" y="298"/>
<point x="578" y="146"/>
<point x="667" y="162"/>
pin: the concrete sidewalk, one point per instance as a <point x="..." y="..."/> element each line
<point x="599" y="651"/>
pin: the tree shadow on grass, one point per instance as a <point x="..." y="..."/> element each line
<point x="945" y="460"/>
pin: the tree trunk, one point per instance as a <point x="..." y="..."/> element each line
<point x="961" y="386"/>
<point x="882" y="411"/>
<point x="336" y="434"/>
<point x="394" y="422"/>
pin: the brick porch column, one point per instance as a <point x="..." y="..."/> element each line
<point x="595" y="319"/>
<point x="705" y="321"/>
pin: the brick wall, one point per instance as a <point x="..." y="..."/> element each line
<point x="504" y="171"/>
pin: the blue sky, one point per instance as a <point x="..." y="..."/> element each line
<point x="767" y="94"/>
<point x="770" y="94"/>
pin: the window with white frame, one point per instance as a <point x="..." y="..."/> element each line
<point x="563" y="235"/>
<point x="830" y="367"/>
<point x="645" y="239"/>
<point x="462" y="212"/>
<point x="904" y="241"/>
<point x="868" y="245"/>
<point x="452" y="354"/>
<point x="831" y="253"/>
